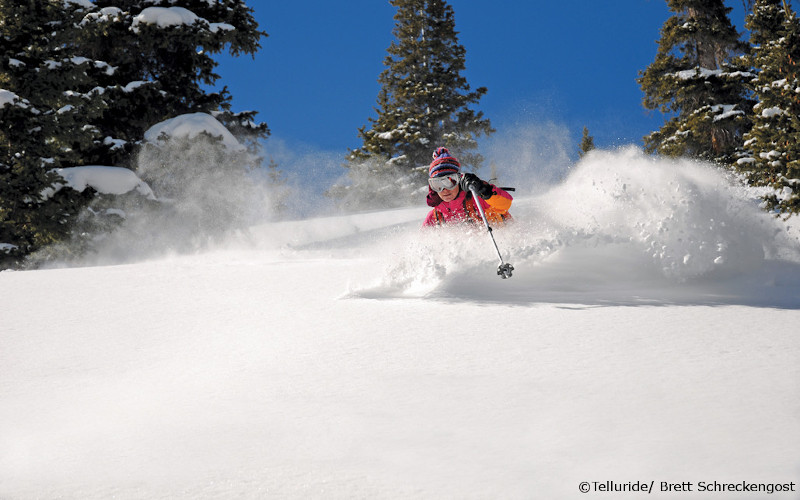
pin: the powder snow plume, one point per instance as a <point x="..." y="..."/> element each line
<point x="206" y="192"/>
<point x="623" y="228"/>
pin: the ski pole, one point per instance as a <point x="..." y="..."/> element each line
<point x="504" y="269"/>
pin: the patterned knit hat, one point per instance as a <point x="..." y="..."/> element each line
<point x="443" y="163"/>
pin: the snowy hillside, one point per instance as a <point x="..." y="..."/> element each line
<point x="649" y="333"/>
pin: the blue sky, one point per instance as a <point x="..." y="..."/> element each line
<point x="572" y="63"/>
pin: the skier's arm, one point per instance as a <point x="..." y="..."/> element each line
<point x="489" y="194"/>
<point x="499" y="200"/>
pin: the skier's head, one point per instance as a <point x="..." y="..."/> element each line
<point x="443" y="163"/>
<point x="443" y="174"/>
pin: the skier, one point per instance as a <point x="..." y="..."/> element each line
<point x="452" y="201"/>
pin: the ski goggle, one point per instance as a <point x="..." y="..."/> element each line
<point x="439" y="184"/>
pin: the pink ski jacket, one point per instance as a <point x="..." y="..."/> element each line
<point x="463" y="210"/>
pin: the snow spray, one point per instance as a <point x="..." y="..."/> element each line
<point x="621" y="225"/>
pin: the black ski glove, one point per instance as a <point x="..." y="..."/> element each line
<point x="483" y="188"/>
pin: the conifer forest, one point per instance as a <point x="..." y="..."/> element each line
<point x="102" y="101"/>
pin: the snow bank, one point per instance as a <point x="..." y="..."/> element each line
<point x="106" y="180"/>
<point x="243" y="374"/>
<point x="190" y="126"/>
<point x="240" y="375"/>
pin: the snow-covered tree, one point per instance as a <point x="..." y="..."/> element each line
<point x="161" y="60"/>
<point x="424" y="101"/>
<point x="200" y="171"/>
<point x="698" y="80"/>
<point x="85" y="79"/>
<point x="42" y="123"/>
<point x="773" y="144"/>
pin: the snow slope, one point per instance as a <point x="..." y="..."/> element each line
<point x="648" y="334"/>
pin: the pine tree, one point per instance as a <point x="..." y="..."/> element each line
<point x="698" y="79"/>
<point x="159" y="70"/>
<point x="42" y="124"/>
<point x="424" y="101"/>
<point x="91" y="78"/>
<point x="772" y="143"/>
<point x="587" y="143"/>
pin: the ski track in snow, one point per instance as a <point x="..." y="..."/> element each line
<point x="648" y="333"/>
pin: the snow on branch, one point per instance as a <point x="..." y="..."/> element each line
<point x="165" y="17"/>
<point x="10" y="98"/>
<point x="83" y="4"/>
<point x="105" y="180"/>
